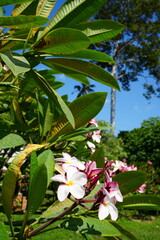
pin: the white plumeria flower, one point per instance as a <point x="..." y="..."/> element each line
<point x="107" y="207"/>
<point x="73" y="183"/>
<point x="118" y="165"/>
<point x="67" y="161"/>
<point x="91" y="146"/>
<point x="96" y="136"/>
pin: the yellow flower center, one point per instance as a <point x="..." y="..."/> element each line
<point x="69" y="183"/>
<point x="105" y="204"/>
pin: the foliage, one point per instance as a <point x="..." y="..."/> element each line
<point x="142" y="144"/>
<point x="113" y="147"/>
<point x="38" y="126"/>
<point x="136" y="49"/>
<point x="142" y="148"/>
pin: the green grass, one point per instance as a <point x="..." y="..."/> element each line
<point x="143" y="230"/>
<point x="147" y="229"/>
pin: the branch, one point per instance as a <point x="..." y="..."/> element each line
<point x="35" y="232"/>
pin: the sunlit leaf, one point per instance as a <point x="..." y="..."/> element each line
<point x="100" y="30"/>
<point x="40" y="180"/>
<point x="141" y="202"/>
<point x="87" y="68"/>
<point x="90" y="55"/>
<point x="22" y="21"/>
<point x="130" y="181"/>
<point x="45" y="7"/>
<point x="11" y="140"/>
<point x="3" y="232"/>
<point x="84" y="109"/>
<point x="10" y="2"/>
<point x="63" y="41"/>
<point x="68" y="15"/>
<point x="52" y="94"/>
<point x="18" y="64"/>
<point x="88" y="225"/>
<point x="11" y="177"/>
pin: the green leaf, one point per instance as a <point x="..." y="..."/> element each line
<point x="123" y="231"/>
<point x="40" y="179"/>
<point x="11" y="140"/>
<point x="22" y="21"/>
<point x="98" y="157"/>
<point x="11" y="178"/>
<point x="20" y="8"/>
<point x="68" y="15"/>
<point x="89" y="54"/>
<point x="81" y="131"/>
<point x="86" y="68"/>
<point x="18" y="64"/>
<point x="63" y="41"/>
<point x="84" y="109"/>
<point x="47" y="119"/>
<point x="47" y="158"/>
<point x="11" y="2"/>
<point x="37" y="189"/>
<point x="3" y="232"/>
<point x="55" y="209"/>
<point x="89" y="225"/>
<point x="79" y="77"/>
<point x="1" y="12"/>
<point x="130" y="181"/>
<point x="141" y="202"/>
<point x="100" y="30"/>
<point x="53" y="95"/>
<point x="45" y="7"/>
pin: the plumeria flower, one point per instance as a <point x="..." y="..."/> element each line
<point x="142" y="188"/>
<point x="118" y="165"/>
<point x="73" y="182"/>
<point x="96" y="136"/>
<point x="91" y="146"/>
<point x="93" y="122"/>
<point x="67" y="161"/>
<point x="107" y="207"/>
<point x="114" y="192"/>
<point x="91" y="169"/>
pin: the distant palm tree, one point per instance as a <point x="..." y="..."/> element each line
<point x="84" y="89"/>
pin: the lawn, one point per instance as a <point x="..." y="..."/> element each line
<point x="146" y="229"/>
<point x="142" y="229"/>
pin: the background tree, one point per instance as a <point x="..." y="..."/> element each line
<point x="142" y="144"/>
<point x="84" y="89"/>
<point x="136" y="50"/>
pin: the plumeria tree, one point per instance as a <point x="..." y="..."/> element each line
<point x="48" y="145"/>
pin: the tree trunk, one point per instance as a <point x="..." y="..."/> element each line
<point x="113" y="92"/>
<point x="113" y="104"/>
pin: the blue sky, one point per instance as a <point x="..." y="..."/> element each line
<point x="131" y="107"/>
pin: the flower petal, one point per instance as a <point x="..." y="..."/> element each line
<point x="80" y="165"/>
<point x="70" y="171"/>
<point x="79" y="178"/>
<point x="103" y="211"/>
<point x="113" y="212"/>
<point x="77" y="191"/>
<point x="67" y="157"/>
<point x="62" y="192"/>
<point x="59" y="178"/>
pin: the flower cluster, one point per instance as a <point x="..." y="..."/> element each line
<point x="94" y="136"/>
<point x="119" y="166"/>
<point x="80" y="178"/>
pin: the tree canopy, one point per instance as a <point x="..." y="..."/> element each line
<point x="136" y="49"/>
